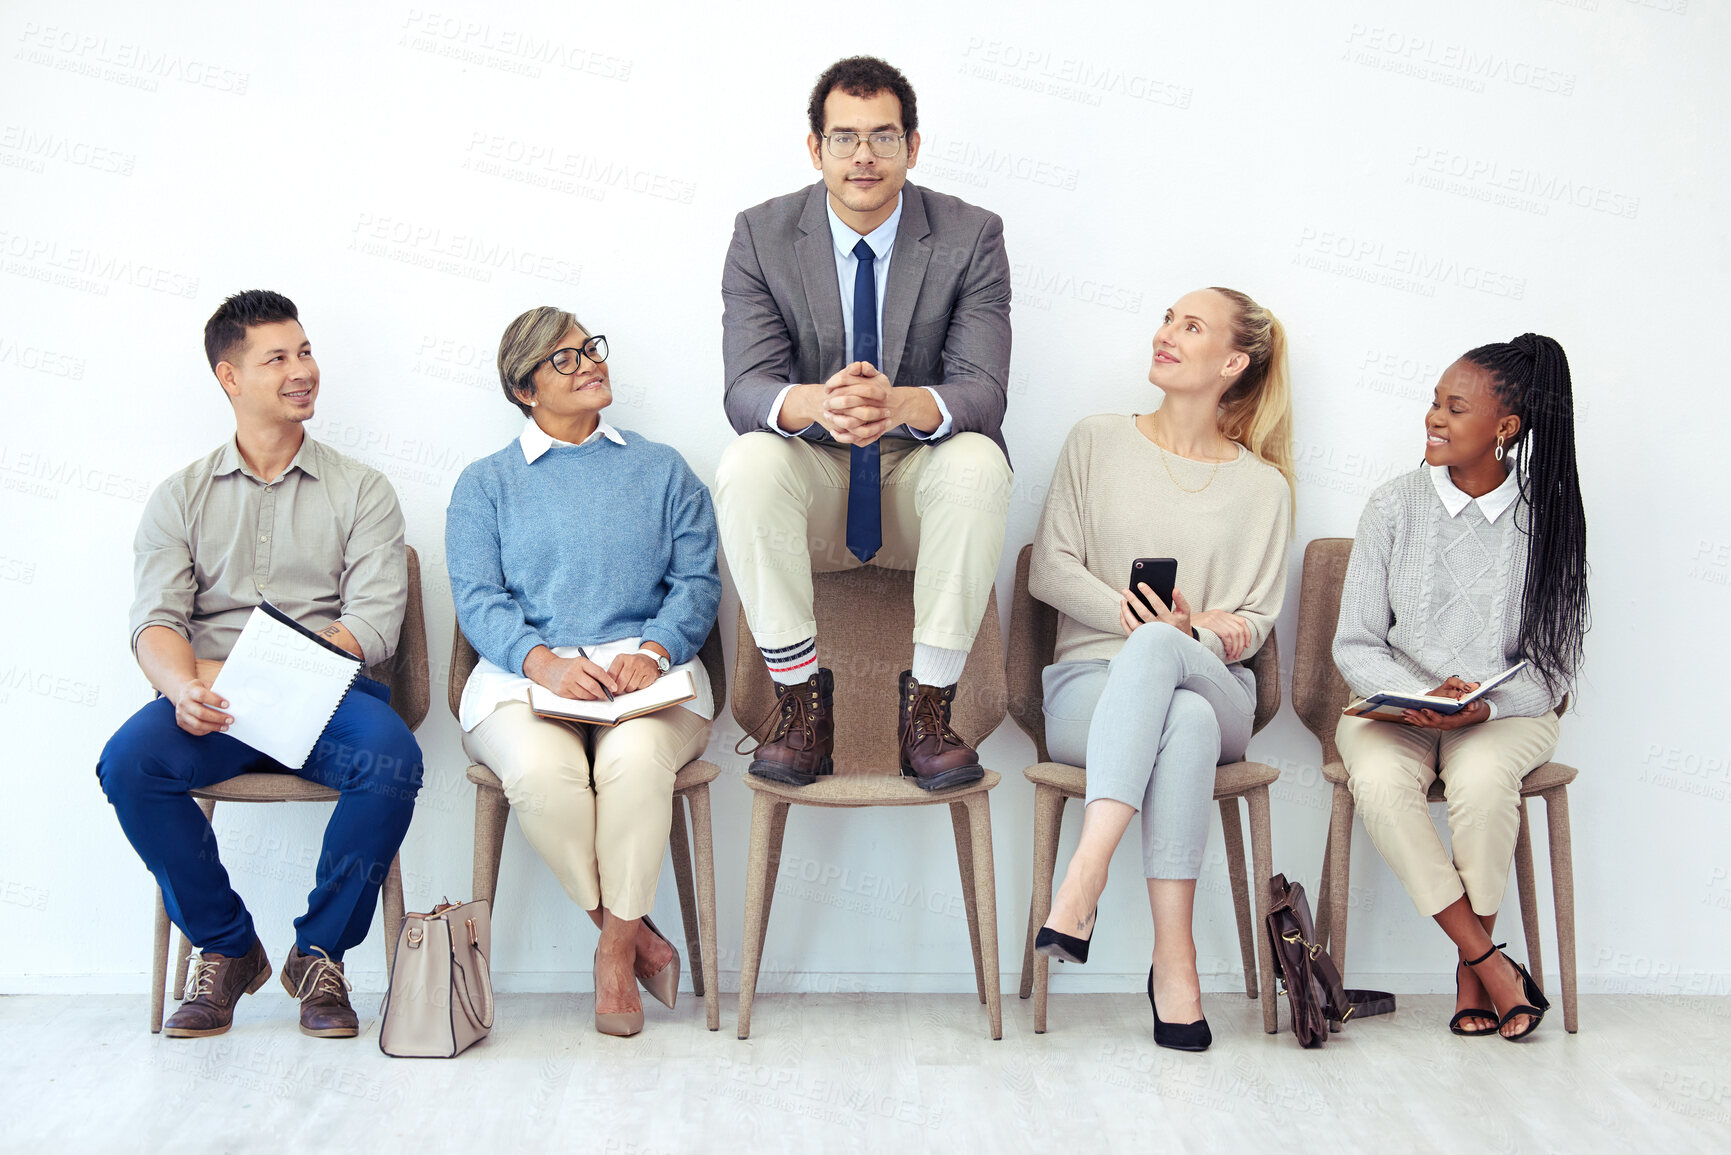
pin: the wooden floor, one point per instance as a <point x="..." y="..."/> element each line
<point x="876" y="1072"/>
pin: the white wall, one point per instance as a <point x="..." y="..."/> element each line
<point x="1399" y="182"/>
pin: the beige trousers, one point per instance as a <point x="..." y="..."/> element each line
<point x="1390" y="767"/>
<point x="781" y="503"/>
<point x="600" y="823"/>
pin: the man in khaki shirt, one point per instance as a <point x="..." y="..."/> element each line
<point x="271" y="515"/>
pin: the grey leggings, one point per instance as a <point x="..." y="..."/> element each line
<point x="1150" y="726"/>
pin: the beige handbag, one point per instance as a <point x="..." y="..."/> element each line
<point x="440" y="1000"/>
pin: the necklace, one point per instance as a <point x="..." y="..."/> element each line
<point x="1168" y="465"/>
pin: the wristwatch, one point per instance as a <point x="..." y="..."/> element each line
<point x="662" y="662"/>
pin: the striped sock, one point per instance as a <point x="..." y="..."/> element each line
<point x="791" y="665"/>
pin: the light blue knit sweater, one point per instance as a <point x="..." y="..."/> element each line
<point x="590" y="544"/>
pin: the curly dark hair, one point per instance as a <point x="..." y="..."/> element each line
<point x="863" y="76"/>
<point x="226" y="330"/>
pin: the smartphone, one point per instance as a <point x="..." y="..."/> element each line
<point x="1161" y="575"/>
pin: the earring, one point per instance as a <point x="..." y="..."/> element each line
<point x="1499" y="453"/>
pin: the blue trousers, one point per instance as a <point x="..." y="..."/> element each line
<point x="151" y="766"/>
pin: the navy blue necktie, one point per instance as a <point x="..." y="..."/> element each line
<point x="864" y="519"/>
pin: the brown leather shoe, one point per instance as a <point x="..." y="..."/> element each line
<point x="213" y="987"/>
<point x="317" y="981"/>
<point x="933" y="755"/>
<point x="801" y="748"/>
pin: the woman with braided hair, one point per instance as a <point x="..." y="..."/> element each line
<point x="1462" y="568"/>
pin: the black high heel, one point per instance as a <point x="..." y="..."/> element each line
<point x="1178" y="1036"/>
<point x="1471" y="1012"/>
<point x="1063" y="947"/>
<point x="1535" y="1006"/>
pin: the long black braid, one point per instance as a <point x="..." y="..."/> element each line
<point x="1532" y="380"/>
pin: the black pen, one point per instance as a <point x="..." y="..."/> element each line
<point x="584" y="654"/>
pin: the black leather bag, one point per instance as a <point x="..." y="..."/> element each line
<point x="1313" y="987"/>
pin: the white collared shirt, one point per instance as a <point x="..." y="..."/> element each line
<point x="489" y="685"/>
<point x="883" y="242"/>
<point x="1493" y="504"/>
<point x="536" y="440"/>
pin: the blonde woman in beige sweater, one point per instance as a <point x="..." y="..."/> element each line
<point x="1151" y="700"/>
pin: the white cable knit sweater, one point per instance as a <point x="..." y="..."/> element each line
<point x="1428" y="595"/>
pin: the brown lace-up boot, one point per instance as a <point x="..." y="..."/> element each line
<point x="802" y="745"/>
<point x="933" y="755"/>
<point x="214" y="985"/>
<point x="317" y="980"/>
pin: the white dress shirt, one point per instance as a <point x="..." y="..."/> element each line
<point x="882" y="241"/>
<point x="1493" y="504"/>
<point x="489" y="685"/>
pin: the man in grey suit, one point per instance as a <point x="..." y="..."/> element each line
<point x="866" y="335"/>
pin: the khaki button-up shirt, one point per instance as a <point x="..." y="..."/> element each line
<point x="322" y="543"/>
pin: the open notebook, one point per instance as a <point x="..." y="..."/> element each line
<point x="282" y="683"/>
<point x="671" y="690"/>
<point x="1389" y="705"/>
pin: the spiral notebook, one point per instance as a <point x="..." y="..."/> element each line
<point x="282" y="683"/>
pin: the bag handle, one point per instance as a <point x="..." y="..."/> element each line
<point x="484" y="1018"/>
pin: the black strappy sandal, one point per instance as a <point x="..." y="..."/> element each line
<point x="1471" y="1012"/>
<point x="1535" y="1006"/>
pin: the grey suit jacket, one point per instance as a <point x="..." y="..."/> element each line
<point x="946" y="309"/>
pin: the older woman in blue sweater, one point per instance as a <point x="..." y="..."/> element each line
<point x="582" y="558"/>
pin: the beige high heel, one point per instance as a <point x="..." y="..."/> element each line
<point x="664" y="983"/>
<point x="622" y="1024"/>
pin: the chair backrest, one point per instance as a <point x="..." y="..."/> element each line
<point x="1319" y="693"/>
<point x="464" y="658"/>
<point x="1034" y="635"/>
<point x="405" y="671"/>
<point x="865" y="620"/>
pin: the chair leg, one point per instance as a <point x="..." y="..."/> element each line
<point x="492" y="809"/>
<point x="1233" y="831"/>
<point x="986" y="904"/>
<point x="777" y="830"/>
<point x="1528" y="891"/>
<point x="960" y="821"/>
<point x="393" y="913"/>
<point x="1262" y="859"/>
<point x="759" y="888"/>
<point x="1563" y="886"/>
<point x="159" y="965"/>
<point x="1048" y="825"/>
<point x="679" y="842"/>
<point x="1339" y="869"/>
<point x="1324" y="902"/>
<point x="703" y="849"/>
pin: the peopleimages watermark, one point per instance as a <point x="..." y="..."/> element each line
<point x="1401" y="267"/>
<point x="549" y="164"/>
<point x="460" y="254"/>
<point x="1513" y="186"/>
<point x="1039" y="69"/>
<point x="32" y="150"/>
<point x="120" y="62"/>
<point x="1452" y="65"/>
<point x="504" y="48"/>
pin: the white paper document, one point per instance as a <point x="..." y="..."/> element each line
<point x="282" y="683"/>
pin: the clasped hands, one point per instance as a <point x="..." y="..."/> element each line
<point x="858" y="405"/>
<point x="1232" y="629"/>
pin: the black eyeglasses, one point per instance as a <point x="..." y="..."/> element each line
<point x="883" y="144"/>
<point x="568" y="360"/>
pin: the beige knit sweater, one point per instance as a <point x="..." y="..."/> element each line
<point x="1113" y="501"/>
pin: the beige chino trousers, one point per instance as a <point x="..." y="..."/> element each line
<point x="601" y="824"/>
<point x="781" y="505"/>
<point x="1390" y="767"/>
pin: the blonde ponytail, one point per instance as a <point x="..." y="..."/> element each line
<point x="1257" y="411"/>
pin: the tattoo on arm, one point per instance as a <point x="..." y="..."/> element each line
<point x="332" y="631"/>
